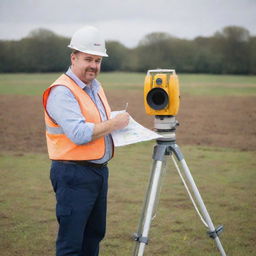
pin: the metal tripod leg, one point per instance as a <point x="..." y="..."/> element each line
<point x="213" y="233"/>
<point x="160" y="151"/>
<point x="151" y="199"/>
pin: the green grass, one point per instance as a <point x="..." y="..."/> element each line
<point x="225" y="178"/>
<point x="26" y="84"/>
<point x="192" y="84"/>
<point x="219" y="85"/>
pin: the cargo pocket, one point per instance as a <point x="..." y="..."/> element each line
<point x="64" y="218"/>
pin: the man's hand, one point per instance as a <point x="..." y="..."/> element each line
<point x="118" y="122"/>
<point x="121" y="120"/>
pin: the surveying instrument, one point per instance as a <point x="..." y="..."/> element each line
<point x="161" y="99"/>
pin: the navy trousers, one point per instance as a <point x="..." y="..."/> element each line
<point x="81" y="195"/>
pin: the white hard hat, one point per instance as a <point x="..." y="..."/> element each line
<point x="88" y="40"/>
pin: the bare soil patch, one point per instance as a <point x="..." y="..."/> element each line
<point x="212" y="121"/>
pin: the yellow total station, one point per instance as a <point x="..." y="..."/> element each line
<point x="161" y="92"/>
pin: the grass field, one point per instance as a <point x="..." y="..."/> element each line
<point x="34" y="84"/>
<point x="225" y="178"/>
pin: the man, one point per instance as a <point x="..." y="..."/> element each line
<point x="78" y="127"/>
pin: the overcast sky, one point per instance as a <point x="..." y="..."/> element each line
<point x="127" y="21"/>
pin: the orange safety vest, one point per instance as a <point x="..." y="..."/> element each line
<point x="60" y="147"/>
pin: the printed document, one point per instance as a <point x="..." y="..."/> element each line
<point x="132" y="133"/>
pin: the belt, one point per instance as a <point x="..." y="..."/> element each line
<point x="84" y="163"/>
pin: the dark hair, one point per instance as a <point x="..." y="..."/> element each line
<point x="75" y="51"/>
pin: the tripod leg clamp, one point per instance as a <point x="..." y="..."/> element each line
<point x="216" y="232"/>
<point x="140" y="239"/>
<point x="159" y="152"/>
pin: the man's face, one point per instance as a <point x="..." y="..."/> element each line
<point x="86" y="66"/>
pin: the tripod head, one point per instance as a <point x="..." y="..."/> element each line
<point x="166" y="126"/>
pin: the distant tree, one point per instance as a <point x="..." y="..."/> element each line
<point x="10" y="56"/>
<point x="231" y="50"/>
<point x="153" y="51"/>
<point x="161" y="50"/>
<point x="41" y="34"/>
<point x="45" y="51"/>
<point x="252" y="59"/>
<point x="207" y="55"/>
<point x="154" y="38"/>
<point x="236" y="34"/>
<point x="181" y="55"/>
<point x="233" y="43"/>
<point x="118" y="57"/>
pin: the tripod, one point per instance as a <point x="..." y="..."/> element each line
<point x="166" y="125"/>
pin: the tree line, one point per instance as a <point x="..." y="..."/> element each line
<point x="229" y="51"/>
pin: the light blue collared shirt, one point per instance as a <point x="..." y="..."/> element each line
<point x="64" y="109"/>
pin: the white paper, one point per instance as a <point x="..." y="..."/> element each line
<point x="132" y="133"/>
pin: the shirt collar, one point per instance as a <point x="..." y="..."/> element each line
<point x="95" y="84"/>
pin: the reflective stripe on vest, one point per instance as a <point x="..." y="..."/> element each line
<point x="59" y="146"/>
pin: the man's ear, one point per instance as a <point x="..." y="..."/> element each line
<point x="72" y="57"/>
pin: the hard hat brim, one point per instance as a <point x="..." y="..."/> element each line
<point x="89" y="51"/>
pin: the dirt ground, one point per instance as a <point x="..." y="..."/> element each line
<point x="212" y="121"/>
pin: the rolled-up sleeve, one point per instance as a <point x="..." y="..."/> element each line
<point x="64" y="109"/>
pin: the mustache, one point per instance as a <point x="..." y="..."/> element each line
<point x="95" y="70"/>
